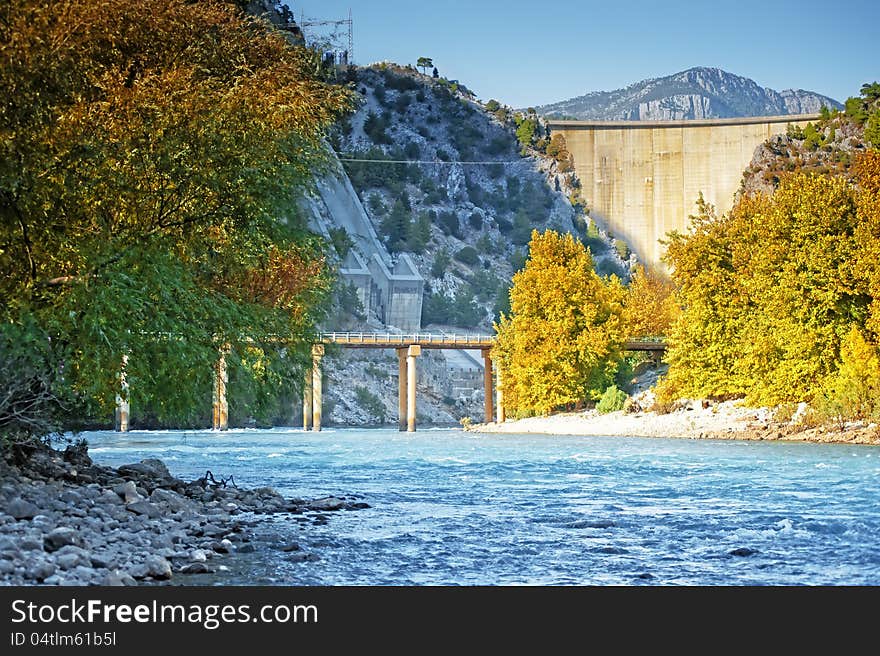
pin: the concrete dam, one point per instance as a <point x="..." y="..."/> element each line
<point x="641" y="179"/>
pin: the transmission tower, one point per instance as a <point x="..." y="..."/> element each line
<point x="347" y="22"/>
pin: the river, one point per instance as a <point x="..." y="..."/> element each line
<point x="456" y="508"/>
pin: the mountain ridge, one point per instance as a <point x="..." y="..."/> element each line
<point x="696" y="93"/>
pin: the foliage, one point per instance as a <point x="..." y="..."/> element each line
<point x="526" y="130"/>
<point x="32" y="391"/>
<point x="854" y="391"/>
<point x="370" y="402"/>
<point x="376" y="127"/>
<point x="149" y="150"/>
<point x="613" y="399"/>
<point x="449" y="224"/>
<point x="561" y="342"/>
<point x="522" y="228"/>
<point x="649" y="307"/>
<point x="348" y="299"/>
<point x="424" y="63"/>
<point x="468" y="255"/>
<point x="441" y="263"/>
<point x="460" y="310"/>
<point x="767" y="292"/>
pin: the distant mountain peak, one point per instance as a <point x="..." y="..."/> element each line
<point x="698" y="92"/>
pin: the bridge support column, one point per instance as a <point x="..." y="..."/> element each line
<point x="221" y="406"/>
<point x="317" y="354"/>
<point x="487" y="386"/>
<point x="499" y="394"/>
<point x="307" y="399"/>
<point x="401" y="388"/>
<point x="122" y="408"/>
<point x="413" y="352"/>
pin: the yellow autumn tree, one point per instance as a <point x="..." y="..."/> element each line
<point x="649" y="307"/>
<point x="561" y="343"/>
<point x="853" y="392"/>
<point x="768" y="292"/>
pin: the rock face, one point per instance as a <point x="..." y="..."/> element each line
<point x="67" y="521"/>
<point x="692" y="94"/>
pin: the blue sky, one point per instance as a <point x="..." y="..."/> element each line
<point x="530" y="53"/>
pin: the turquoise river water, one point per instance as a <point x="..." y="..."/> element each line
<point x="456" y="508"/>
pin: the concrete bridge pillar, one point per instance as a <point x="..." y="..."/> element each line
<point x="122" y="408"/>
<point x="401" y="388"/>
<point x="487" y="385"/>
<point x="307" y="399"/>
<point x="221" y="377"/>
<point x="317" y="354"/>
<point x="413" y="352"/>
<point x="499" y="401"/>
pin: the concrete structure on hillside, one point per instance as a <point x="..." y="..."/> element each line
<point x="641" y="179"/>
<point x="390" y="290"/>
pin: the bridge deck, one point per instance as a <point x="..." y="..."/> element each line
<point x="435" y="341"/>
<point x="392" y="340"/>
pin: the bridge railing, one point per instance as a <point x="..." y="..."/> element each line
<point x="406" y="338"/>
<point x="465" y="341"/>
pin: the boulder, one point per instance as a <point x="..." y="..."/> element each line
<point x="145" y="508"/>
<point x="21" y="509"/>
<point x="743" y="551"/>
<point x="148" y="468"/>
<point x="196" y="568"/>
<point x="128" y="492"/>
<point x="327" y="504"/>
<point x="154" y="566"/>
<point x="117" y="578"/>
<point x="173" y="501"/>
<point x="61" y="537"/>
<point x="39" y="571"/>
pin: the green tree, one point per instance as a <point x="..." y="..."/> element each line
<point x="561" y="343"/>
<point x="425" y="63"/>
<point x="441" y="263"/>
<point x="526" y="129"/>
<point x="522" y="228"/>
<point x="149" y="150"/>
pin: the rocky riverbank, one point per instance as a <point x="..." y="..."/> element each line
<point x="692" y="420"/>
<point x="65" y="520"/>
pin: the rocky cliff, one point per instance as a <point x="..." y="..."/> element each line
<point x="446" y="183"/>
<point x="692" y="94"/>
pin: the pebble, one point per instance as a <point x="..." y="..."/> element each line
<point x="93" y="525"/>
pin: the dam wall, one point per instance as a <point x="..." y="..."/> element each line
<point x="641" y="179"/>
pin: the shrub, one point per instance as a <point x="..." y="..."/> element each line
<point x="449" y="224"/>
<point x="475" y="220"/>
<point x="612" y="400"/>
<point x="468" y="255"/>
<point x="441" y="262"/>
<point x="370" y="402"/>
<point x="412" y="150"/>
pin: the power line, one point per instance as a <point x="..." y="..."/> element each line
<point x="425" y="161"/>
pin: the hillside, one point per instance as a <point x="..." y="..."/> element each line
<point x="827" y="147"/>
<point x="465" y="207"/>
<point x="457" y="186"/>
<point x="692" y="94"/>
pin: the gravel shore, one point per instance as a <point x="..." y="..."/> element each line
<point x="694" y="420"/>
<point x="67" y="521"/>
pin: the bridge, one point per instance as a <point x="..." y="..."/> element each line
<point x="409" y="347"/>
<point x="641" y="179"/>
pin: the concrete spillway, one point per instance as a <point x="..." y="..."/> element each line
<point x="641" y="179"/>
<point x="391" y="290"/>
